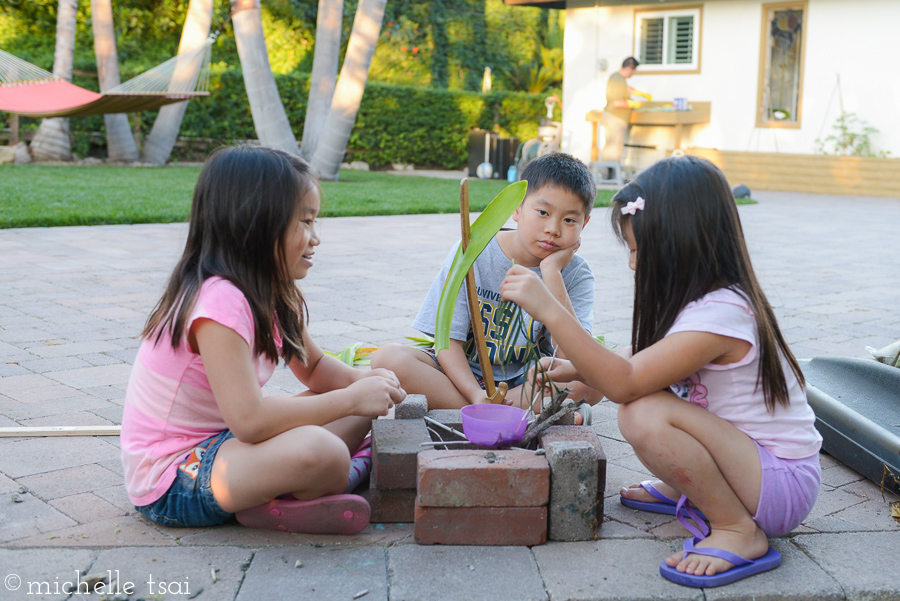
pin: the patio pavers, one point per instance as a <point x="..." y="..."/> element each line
<point x="73" y="303"/>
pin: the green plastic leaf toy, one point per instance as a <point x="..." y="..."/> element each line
<point x="485" y="227"/>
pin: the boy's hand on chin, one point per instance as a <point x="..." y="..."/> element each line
<point x="558" y="259"/>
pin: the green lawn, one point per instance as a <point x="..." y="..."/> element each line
<point x="41" y="196"/>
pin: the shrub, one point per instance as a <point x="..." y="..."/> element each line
<point x="395" y="124"/>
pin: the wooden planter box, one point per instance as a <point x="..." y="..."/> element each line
<point x="812" y="173"/>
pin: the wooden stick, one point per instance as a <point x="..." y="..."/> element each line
<point x="472" y="294"/>
<point x="17" y="431"/>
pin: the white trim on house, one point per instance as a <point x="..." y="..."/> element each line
<point x="664" y="38"/>
<point x="841" y="42"/>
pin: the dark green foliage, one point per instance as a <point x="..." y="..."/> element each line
<point x="425" y="44"/>
<point x="431" y="127"/>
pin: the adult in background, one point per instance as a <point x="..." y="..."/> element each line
<point x="618" y="110"/>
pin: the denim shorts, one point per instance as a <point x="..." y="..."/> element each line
<point x="189" y="502"/>
<point x="517" y="381"/>
<point x="788" y="491"/>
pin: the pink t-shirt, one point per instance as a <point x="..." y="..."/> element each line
<point x="730" y="390"/>
<point x="169" y="405"/>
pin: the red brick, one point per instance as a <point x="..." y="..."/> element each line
<point x="395" y="444"/>
<point x="397" y="506"/>
<point x="500" y="478"/>
<point x="576" y="434"/>
<point x="481" y="525"/>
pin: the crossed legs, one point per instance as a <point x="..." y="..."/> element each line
<point x="308" y="462"/>
<point x="696" y="453"/>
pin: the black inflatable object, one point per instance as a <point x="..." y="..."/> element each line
<point x="857" y="406"/>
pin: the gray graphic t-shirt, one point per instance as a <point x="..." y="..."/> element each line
<point x="490" y="268"/>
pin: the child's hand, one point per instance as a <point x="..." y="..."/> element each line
<point x="376" y="393"/>
<point x="558" y="259"/>
<point x="523" y="287"/>
<point x="563" y="371"/>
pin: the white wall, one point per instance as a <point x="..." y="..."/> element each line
<point x="857" y="40"/>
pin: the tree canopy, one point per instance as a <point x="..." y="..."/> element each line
<point x="424" y="43"/>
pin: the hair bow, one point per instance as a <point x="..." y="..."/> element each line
<point x="633" y="207"/>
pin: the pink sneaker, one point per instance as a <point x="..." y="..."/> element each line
<point x="332" y="514"/>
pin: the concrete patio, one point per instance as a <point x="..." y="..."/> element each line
<point x="73" y="301"/>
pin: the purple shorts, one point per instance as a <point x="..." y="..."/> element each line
<point x="788" y="491"/>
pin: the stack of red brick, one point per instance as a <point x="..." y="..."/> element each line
<point x="488" y="497"/>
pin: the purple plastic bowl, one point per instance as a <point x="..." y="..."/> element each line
<point x="493" y="425"/>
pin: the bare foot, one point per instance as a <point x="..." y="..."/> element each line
<point x="744" y="540"/>
<point x="636" y="492"/>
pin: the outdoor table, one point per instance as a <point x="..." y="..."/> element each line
<point x="655" y="114"/>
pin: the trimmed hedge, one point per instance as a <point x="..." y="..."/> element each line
<point x="395" y="124"/>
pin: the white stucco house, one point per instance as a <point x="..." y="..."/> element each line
<point x="776" y="75"/>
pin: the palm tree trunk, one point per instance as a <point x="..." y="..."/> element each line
<point x="348" y="93"/>
<point x="158" y="145"/>
<point x="269" y="118"/>
<point x="324" y="73"/>
<point x="51" y="142"/>
<point x="120" y="144"/>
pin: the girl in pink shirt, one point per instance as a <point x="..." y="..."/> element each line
<point x="711" y="398"/>
<point x="200" y="442"/>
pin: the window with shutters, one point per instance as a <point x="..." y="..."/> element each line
<point x="668" y="41"/>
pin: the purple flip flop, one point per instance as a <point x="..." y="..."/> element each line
<point x="742" y="567"/>
<point x="666" y="504"/>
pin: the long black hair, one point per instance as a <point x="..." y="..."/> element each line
<point x="690" y="243"/>
<point x="244" y="202"/>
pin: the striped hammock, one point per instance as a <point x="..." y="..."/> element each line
<point x="28" y="90"/>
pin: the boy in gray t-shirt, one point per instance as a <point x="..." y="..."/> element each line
<point x="556" y="208"/>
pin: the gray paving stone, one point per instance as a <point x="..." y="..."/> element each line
<point x="414" y="406"/>
<point x="608" y="569"/>
<point x="28" y="518"/>
<point x="573" y="491"/>
<point x="611" y="529"/>
<point x="419" y="573"/>
<point x="69" y="481"/>
<point x="116" y="496"/>
<point x="8" y="370"/>
<point x="119" y="531"/>
<point x="111" y="414"/>
<point x="63" y="285"/>
<point x="798" y="578"/>
<point x="41" y="573"/>
<point x="85" y="508"/>
<point x="61" y="405"/>
<point x="234" y="534"/>
<point x="109" y="358"/>
<point x="325" y="574"/>
<point x="89" y="377"/>
<point x="75" y="418"/>
<point x="39" y="455"/>
<point x="176" y="573"/>
<point x="44" y="365"/>
<point x="863" y="564"/>
<point x="832" y="500"/>
<point x="48" y="392"/>
<point x="839" y="475"/>
<point x="78" y="348"/>
<point x="871" y="515"/>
